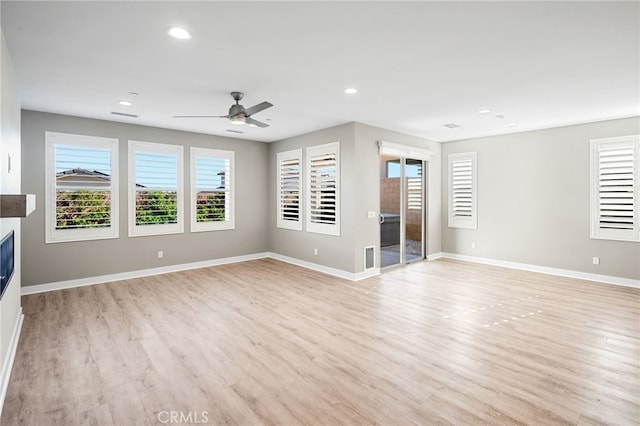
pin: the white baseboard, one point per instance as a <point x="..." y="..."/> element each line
<point x="372" y="272"/>
<point x="627" y="282"/>
<point x="434" y="256"/>
<point x="326" y="269"/>
<point x="11" y="356"/>
<point x="60" y="285"/>
<point x="320" y="268"/>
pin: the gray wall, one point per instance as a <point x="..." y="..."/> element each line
<point x="368" y="183"/>
<point x="46" y="263"/>
<point x="333" y="251"/>
<point x="360" y="193"/>
<point x="533" y="201"/>
<point x="9" y="184"/>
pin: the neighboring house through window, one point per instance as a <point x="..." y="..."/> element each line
<point x="212" y="189"/>
<point x="81" y="197"/>
<point x="323" y="189"/>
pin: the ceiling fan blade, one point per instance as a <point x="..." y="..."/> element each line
<point x="250" y="121"/>
<point x="200" y="116"/>
<point x="257" y="108"/>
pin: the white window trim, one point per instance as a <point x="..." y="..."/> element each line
<point x="457" y="222"/>
<point x="596" y="232"/>
<point x="221" y="225"/>
<point x="162" y="229"/>
<point x="281" y="222"/>
<point x="53" y="235"/>
<point x="322" y="228"/>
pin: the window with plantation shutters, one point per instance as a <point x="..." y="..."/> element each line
<point x="289" y="214"/>
<point x="614" y="188"/>
<point x="463" y="190"/>
<point x="323" y="189"/>
<point x="212" y="185"/>
<point x="82" y="187"/>
<point x="414" y="193"/>
<point x="155" y="189"/>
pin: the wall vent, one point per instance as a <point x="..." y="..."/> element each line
<point x="451" y="125"/>
<point x="234" y="131"/>
<point x="369" y="257"/>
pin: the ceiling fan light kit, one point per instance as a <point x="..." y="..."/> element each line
<point x="238" y="114"/>
<point x="238" y="119"/>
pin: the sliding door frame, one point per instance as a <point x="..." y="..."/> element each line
<point x="404" y="152"/>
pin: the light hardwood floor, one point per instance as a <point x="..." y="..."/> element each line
<point x="264" y="342"/>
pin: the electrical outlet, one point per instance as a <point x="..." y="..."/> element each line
<point x="160" y="254"/>
<point x="596" y="260"/>
<point x="315" y="251"/>
<point x="473" y="245"/>
<point x="371" y="215"/>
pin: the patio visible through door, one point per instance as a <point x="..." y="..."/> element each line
<point x="402" y="213"/>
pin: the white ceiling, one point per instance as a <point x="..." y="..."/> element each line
<point x="417" y="65"/>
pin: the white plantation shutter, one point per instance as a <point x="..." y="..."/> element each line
<point x="414" y="193"/>
<point x="82" y="187"/>
<point x="289" y="214"/>
<point x="323" y="189"/>
<point x="155" y="189"/>
<point x="463" y="190"/>
<point x="614" y="188"/>
<point x="212" y="185"/>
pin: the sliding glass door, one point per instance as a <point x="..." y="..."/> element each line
<point x="402" y="192"/>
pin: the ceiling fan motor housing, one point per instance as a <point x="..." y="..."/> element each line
<point x="236" y="110"/>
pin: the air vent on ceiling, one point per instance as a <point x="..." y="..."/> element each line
<point x="451" y="125"/>
<point x="234" y="131"/>
<point x="123" y="114"/>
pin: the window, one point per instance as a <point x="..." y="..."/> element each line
<point x="463" y="190"/>
<point x="614" y="188"/>
<point x="155" y="189"/>
<point x="289" y="189"/>
<point x="323" y="189"/>
<point x="212" y="186"/>
<point x="81" y="197"/>
<point x="413" y="174"/>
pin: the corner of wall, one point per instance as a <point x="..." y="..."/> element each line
<point x="10" y="183"/>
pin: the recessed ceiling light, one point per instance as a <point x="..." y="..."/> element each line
<point x="350" y="90"/>
<point x="484" y="111"/>
<point x="512" y="124"/>
<point x="180" y="33"/>
<point x="125" y="103"/>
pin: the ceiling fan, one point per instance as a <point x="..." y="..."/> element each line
<point x="238" y="114"/>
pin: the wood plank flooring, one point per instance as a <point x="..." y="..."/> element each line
<point x="265" y="342"/>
